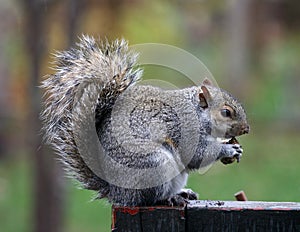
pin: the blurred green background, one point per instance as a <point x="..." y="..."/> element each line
<point x="252" y="48"/>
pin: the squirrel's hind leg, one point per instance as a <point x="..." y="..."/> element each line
<point x="177" y="195"/>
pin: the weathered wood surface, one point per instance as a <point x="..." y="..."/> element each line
<point x="152" y="219"/>
<point x="209" y="216"/>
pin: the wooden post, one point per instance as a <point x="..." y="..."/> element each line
<point x="150" y="219"/>
<point x="209" y="216"/>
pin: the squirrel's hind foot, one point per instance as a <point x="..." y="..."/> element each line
<point x="180" y="199"/>
<point x="188" y="194"/>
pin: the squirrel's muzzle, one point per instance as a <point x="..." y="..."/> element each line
<point x="245" y="129"/>
<point x="237" y="130"/>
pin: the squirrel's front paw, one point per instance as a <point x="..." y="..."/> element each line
<point x="230" y="153"/>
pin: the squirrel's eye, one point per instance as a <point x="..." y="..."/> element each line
<point x="226" y="113"/>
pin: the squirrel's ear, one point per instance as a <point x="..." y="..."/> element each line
<point x="204" y="97"/>
<point x="207" y="82"/>
<point x="203" y="102"/>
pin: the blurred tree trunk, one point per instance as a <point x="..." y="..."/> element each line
<point x="47" y="196"/>
<point x="49" y="191"/>
<point x="75" y="10"/>
<point x="237" y="31"/>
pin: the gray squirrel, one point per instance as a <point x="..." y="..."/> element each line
<point x="148" y="139"/>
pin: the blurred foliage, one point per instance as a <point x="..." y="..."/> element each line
<point x="280" y="74"/>
<point x="269" y="88"/>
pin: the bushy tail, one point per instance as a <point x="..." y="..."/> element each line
<point x="111" y="68"/>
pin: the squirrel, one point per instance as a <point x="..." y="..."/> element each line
<point x="147" y="140"/>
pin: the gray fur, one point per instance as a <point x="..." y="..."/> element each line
<point x="139" y="127"/>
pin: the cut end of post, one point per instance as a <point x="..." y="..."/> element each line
<point x="241" y="196"/>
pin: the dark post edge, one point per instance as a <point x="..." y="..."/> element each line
<point x="207" y="215"/>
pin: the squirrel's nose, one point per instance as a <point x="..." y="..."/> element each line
<point x="246" y="129"/>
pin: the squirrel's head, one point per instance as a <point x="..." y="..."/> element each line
<point x="228" y="116"/>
